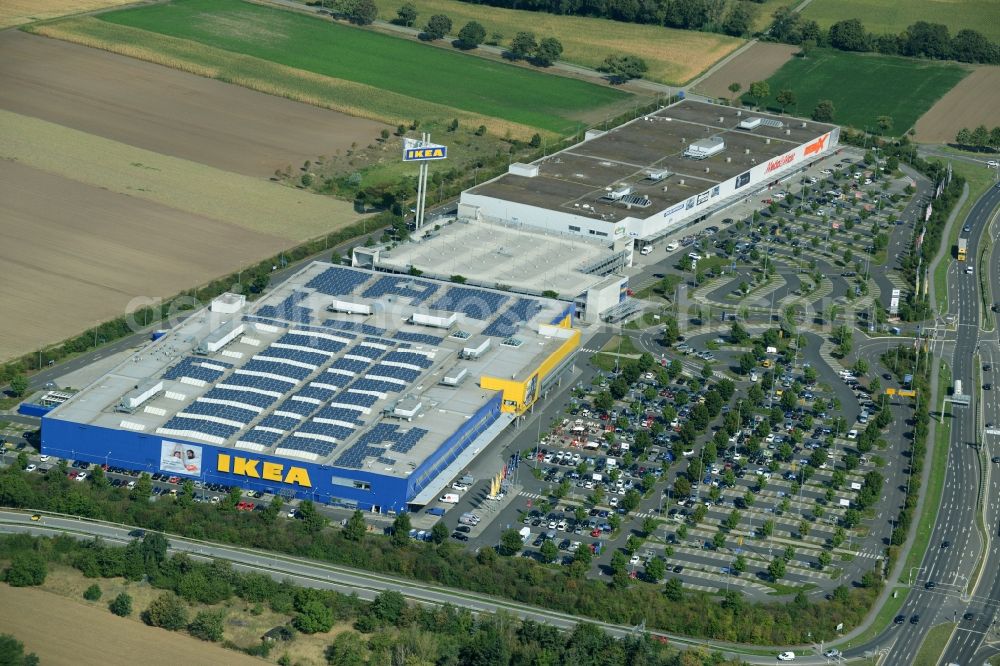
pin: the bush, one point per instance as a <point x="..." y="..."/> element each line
<point x="92" y="593"/>
<point x="167" y="612"/>
<point x="437" y="27"/>
<point x="121" y="605"/>
<point x="26" y="570"/>
<point x="207" y="625"/>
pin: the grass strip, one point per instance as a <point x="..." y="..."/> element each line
<point x="934" y="644"/>
<point x="935" y="485"/>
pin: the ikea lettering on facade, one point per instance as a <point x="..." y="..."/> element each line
<point x="258" y="469"/>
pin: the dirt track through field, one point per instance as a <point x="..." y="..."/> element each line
<point x="168" y="111"/>
<point x="76" y="255"/>
<point x="757" y="63"/>
<point x="974" y="101"/>
<point x="63" y="631"/>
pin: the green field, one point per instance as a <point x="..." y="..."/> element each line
<point x="673" y="56"/>
<point x="865" y="86"/>
<point x="401" y="66"/>
<point x="892" y="16"/>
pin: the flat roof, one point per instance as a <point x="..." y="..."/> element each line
<point x="581" y="174"/>
<point x="524" y="258"/>
<point x="305" y="383"/>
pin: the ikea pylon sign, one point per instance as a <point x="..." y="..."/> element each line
<point x="418" y="151"/>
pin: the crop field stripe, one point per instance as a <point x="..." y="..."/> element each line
<point x="388" y="63"/>
<point x="264" y="76"/>
<point x="866" y="86"/>
<point x="893" y="16"/>
<point x="673" y="56"/>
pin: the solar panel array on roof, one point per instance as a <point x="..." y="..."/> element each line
<point x="288" y="309"/>
<point x="348" y="397"/>
<point x="197" y="368"/>
<point x="242" y="378"/>
<point x="506" y="324"/>
<point x="314" y="359"/>
<point x="419" y="338"/>
<point x="356" y="327"/>
<point x="406" y="287"/>
<point x="475" y="303"/>
<point x="279" y="422"/>
<point x="258" y="435"/>
<point x="336" y="281"/>
<point x="293" y="372"/>
<point x="211" y="428"/>
<point x="246" y="397"/>
<point x="226" y="412"/>
<point x="408" y="357"/>
<point x="367" y="351"/>
<point x="404" y="374"/>
<point x="316" y="447"/>
<point x="320" y="393"/>
<point x="372" y="444"/>
<point x="319" y="341"/>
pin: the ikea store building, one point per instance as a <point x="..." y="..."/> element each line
<point x="345" y="386"/>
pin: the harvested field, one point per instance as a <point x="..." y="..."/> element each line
<point x="757" y="63"/>
<point x="19" y="12"/>
<point x="673" y="56"/>
<point x="167" y="111"/>
<point x="63" y="631"/>
<point x="251" y="203"/>
<point x="77" y="255"/>
<point x="974" y="101"/>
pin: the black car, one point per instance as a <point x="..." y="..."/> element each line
<point x="969" y="617"/>
<point x="915" y="618"/>
<point x="678" y="569"/>
<point x="995" y="459"/>
<point x="930" y="585"/>
<point x="459" y="536"/>
<point x="987" y="387"/>
<point x="987" y="367"/>
<point x="463" y="528"/>
<point x="899" y="619"/>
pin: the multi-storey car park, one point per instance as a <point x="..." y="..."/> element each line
<point x="653" y="175"/>
<point x="345" y="386"/>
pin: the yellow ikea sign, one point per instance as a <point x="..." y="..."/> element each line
<point x="269" y="471"/>
<point x="430" y="153"/>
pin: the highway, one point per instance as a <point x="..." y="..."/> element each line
<point x="940" y="586"/>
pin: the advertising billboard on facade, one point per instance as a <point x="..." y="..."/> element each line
<point x="182" y="459"/>
<point x="742" y="180"/>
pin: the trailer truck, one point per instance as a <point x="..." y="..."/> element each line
<point x="963" y="248"/>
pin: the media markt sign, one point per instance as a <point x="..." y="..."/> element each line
<point x="421" y="151"/>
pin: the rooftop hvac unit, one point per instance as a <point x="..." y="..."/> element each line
<point x="750" y="123"/>
<point x="618" y="193"/>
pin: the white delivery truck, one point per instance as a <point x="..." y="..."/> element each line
<point x="525" y="534"/>
<point x="450" y="498"/>
<point x="646" y="249"/>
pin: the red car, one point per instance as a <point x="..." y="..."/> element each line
<point x="595" y="533"/>
<point x="73" y="474"/>
<point x="174" y="479"/>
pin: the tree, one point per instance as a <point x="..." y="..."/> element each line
<point x="26" y="569"/>
<point x="510" y="542"/>
<point x="759" y="90"/>
<point x="739" y="20"/>
<point x="437" y="27"/>
<point x="167" y="611"/>
<point x="121" y="605"/>
<point x="735" y="88"/>
<point x="12" y="652"/>
<point x="347" y="649"/>
<point x="207" y="625"/>
<point x="767" y="528"/>
<point x="849" y="35"/>
<point x="655" y="569"/>
<point x="682" y="487"/>
<point x="549" y="551"/>
<point x="785" y="98"/>
<point x="388" y="607"/>
<point x="623" y="68"/>
<point x="674" y="589"/>
<point x="92" y="593"/>
<point x="972" y="46"/>
<point x="824" y="111"/>
<point x="824" y="560"/>
<point x="719" y="540"/>
<point x="18" y="385"/>
<point x="406" y="15"/>
<point x="884" y="123"/>
<point x="740" y="564"/>
<point x="671" y="331"/>
<point x="360" y="12"/>
<point x="776" y="569"/>
<point x="355" y="528"/>
<point x="471" y="35"/>
<point x="523" y="45"/>
<point x="439" y="533"/>
<point x="143" y="488"/>
<point x="401" y="530"/>
<point x="548" y="51"/>
<point x="315" y="617"/>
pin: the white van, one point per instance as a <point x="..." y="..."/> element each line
<point x="646" y="249"/>
<point x="672" y="246"/>
<point x="450" y="498"/>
